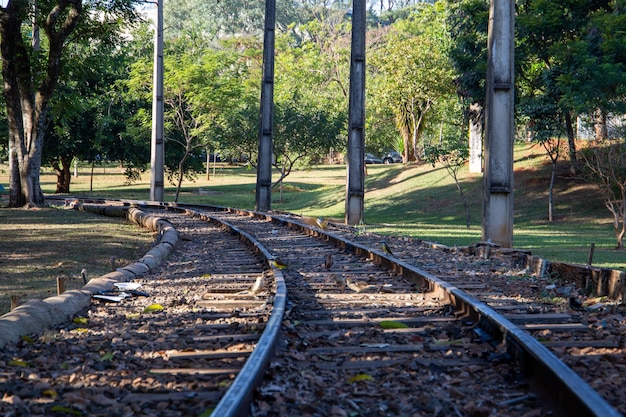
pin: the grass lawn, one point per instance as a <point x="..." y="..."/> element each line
<point x="410" y="200"/>
<point x="37" y="246"/>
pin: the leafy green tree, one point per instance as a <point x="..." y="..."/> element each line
<point x="310" y="92"/>
<point x="594" y="81"/>
<point x="547" y="128"/>
<point x="31" y="69"/>
<point x="467" y="23"/>
<point x="200" y="90"/>
<point x="549" y="48"/>
<point x="215" y="19"/>
<point x="413" y="73"/>
<point x="569" y="65"/>
<point x="381" y="132"/>
<point x="238" y="136"/>
<point x="202" y="87"/>
<point x="302" y="132"/>
<point x="86" y="118"/>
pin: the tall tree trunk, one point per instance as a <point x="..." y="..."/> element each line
<point x="571" y="140"/>
<point x="414" y="129"/>
<point x="63" y="171"/>
<point x="418" y="127"/>
<point x="551" y="192"/>
<point x="404" y="131"/>
<point x="29" y="148"/>
<point x="403" y="122"/>
<point x="26" y="103"/>
<point x="16" y="198"/>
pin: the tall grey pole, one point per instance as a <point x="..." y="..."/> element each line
<point x="355" y="185"/>
<point x="157" y="153"/>
<point x="499" y="134"/>
<point x="264" y="165"/>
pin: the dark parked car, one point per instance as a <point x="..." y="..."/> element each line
<point x="371" y="159"/>
<point x="215" y="157"/>
<point x="392" y="157"/>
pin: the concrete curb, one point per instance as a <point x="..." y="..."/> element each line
<point x="35" y="316"/>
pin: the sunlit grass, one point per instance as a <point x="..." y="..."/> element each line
<point x="407" y="200"/>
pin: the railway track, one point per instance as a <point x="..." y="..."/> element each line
<point x="171" y="350"/>
<point x="363" y="333"/>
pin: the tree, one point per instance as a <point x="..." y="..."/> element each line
<point x="87" y="117"/>
<point x="547" y="129"/>
<point x="452" y="154"/>
<point x="238" y="136"/>
<point x="594" y="83"/>
<point x="548" y="35"/>
<point x="467" y="22"/>
<point x="200" y="90"/>
<point x="202" y="87"/>
<point x="31" y="75"/>
<point x="605" y="166"/>
<point x="303" y="132"/>
<point x="413" y="73"/>
<point x="217" y="19"/>
<point x="311" y="91"/>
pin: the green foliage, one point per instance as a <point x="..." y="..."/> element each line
<point x="569" y="61"/>
<point x="412" y="74"/>
<point x="595" y="76"/>
<point x="310" y="95"/>
<point x="451" y="154"/>
<point x="134" y="92"/>
<point x="87" y="115"/>
<point x="467" y="23"/>
<point x="239" y="133"/>
<point x="303" y="132"/>
<point x="202" y="90"/>
<point x="31" y="68"/>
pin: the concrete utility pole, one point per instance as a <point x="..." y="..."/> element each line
<point x="498" y="176"/>
<point x="264" y="165"/>
<point x="157" y="153"/>
<point x="355" y="185"/>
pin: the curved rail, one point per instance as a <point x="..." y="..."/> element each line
<point x="239" y="394"/>
<point x="573" y="394"/>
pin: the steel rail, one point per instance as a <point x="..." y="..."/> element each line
<point x="571" y="392"/>
<point x="237" y="399"/>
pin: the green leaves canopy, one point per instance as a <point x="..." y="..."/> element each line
<point x="412" y="73"/>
